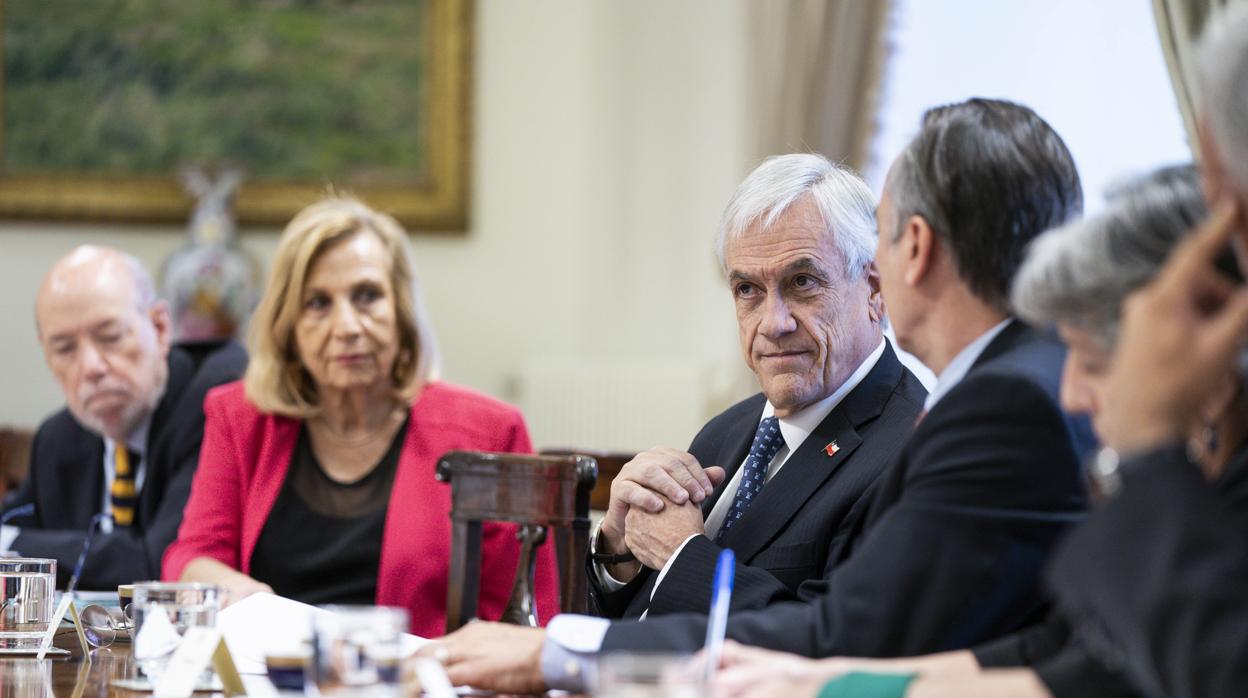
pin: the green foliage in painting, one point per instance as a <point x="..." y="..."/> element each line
<point x="296" y="90"/>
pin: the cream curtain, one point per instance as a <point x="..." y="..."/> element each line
<point x="816" y="67"/>
<point x="1179" y="23"/>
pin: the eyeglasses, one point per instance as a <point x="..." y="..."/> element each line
<point x="101" y="625"/>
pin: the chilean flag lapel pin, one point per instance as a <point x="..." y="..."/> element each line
<point x="831" y="449"/>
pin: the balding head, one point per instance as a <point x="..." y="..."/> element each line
<point x="105" y="337"/>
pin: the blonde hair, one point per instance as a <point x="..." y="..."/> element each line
<point x="276" y="380"/>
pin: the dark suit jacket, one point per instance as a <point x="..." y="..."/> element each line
<point x="66" y="481"/>
<point x="1062" y="662"/>
<point x="949" y="550"/>
<point x="1156" y="583"/>
<point x="783" y="538"/>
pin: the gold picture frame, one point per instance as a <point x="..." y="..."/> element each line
<point x="439" y="202"/>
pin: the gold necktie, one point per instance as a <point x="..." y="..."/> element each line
<point x="123" y="492"/>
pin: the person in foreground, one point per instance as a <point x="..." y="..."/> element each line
<point x="947" y="551"/>
<point x="317" y="479"/>
<point x="127" y="442"/>
<point x="836" y="404"/>
<point x="1157" y="579"/>
<point x="1076" y="277"/>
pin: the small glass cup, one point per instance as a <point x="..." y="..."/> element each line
<point x="163" y="611"/>
<point x="288" y="670"/>
<point x="125" y="595"/>
<point x="26" y="590"/>
<point x="647" y="675"/>
<point x="357" y="650"/>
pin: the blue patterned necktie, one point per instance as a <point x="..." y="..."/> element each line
<point x="767" y="441"/>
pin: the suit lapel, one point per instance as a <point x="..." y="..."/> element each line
<point x="819" y="456"/>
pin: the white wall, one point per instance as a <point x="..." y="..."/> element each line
<point x="608" y="137"/>
<point x="1094" y="70"/>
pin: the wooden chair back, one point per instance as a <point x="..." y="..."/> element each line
<point x="541" y="494"/>
<point x="14" y="457"/>
<point x="609" y="465"/>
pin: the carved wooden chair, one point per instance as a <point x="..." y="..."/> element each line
<point x="609" y="465"/>
<point x="14" y="457"/>
<point x="539" y="493"/>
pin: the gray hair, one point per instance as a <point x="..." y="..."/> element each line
<point x="844" y="201"/>
<point x="1080" y="274"/>
<point x="1222" y="81"/>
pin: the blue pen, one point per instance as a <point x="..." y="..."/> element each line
<point x="718" y="622"/>
<point x="15" y="512"/>
<point x="86" y="547"/>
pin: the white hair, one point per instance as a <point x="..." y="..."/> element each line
<point x="844" y="201"/>
<point x="1222" y="82"/>
<point x="1081" y="273"/>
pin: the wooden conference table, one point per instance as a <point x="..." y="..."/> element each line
<point x="73" y="675"/>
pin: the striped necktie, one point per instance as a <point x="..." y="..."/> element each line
<point x="124" y="495"/>
<point x="767" y="442"/>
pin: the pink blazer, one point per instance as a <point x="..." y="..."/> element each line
<point x="243" y="463"/>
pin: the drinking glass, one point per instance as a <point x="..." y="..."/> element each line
<point x="356" y="650"/>
<point x="26" y="589"/>
<point x="163" y="611"/>
<point x="647" y="675"/>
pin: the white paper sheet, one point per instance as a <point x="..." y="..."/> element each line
<point x="265" y="623"/>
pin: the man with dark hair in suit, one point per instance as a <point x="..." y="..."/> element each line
<point x="947" y="550"/>
<point x="127" y="443"/>
<point x="792" y="462"/>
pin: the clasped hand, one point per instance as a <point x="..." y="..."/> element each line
<point x="655" y="505"/>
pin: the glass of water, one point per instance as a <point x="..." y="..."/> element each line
<point x="647" y="675"/>
<point x="26" y="589"/>
<point x="163" y="611"/>
<point x="357" y="650"/>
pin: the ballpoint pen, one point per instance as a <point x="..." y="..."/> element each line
<point x="717" y="625"/>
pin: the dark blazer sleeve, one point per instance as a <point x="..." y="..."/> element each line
<point x="132" y="554"/>
<point x="1026" y="647"/>
<point x="690" y="579"/>
<point x="631" y="599"/>
<point x="1157" y="581"/>
<point x="950" y="559"/>
<point x="1061" y="662"/>
<point x="42" y="534"/>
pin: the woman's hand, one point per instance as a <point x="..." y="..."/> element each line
<point x="750" y="671"/>
<point x="754" y="672"/>
<point x="1180" y="336"/>
<point x="235" y="586"/>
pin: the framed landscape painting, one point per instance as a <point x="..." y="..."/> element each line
<point x="104" y="102"/>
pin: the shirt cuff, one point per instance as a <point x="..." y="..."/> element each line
<point x="605" y="579"/>
<point x="570" y="651"/>
<point x="8" y="534"/>
<point x="608" y="582"/>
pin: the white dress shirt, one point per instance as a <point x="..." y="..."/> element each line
<point x="958" y="367"/>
